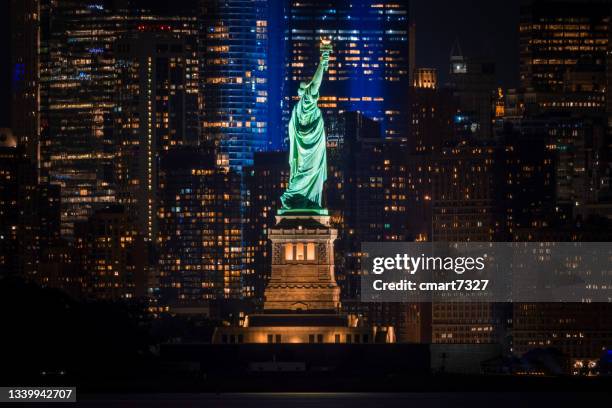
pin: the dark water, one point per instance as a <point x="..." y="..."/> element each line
<point x="348" y="400"/>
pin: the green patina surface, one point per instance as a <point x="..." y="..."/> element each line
<point x="298" y="211"/>
<point x="307" y="150"/>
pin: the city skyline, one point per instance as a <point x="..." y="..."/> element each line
<point x="146" y="170"/>
<point x="436" y="35"/>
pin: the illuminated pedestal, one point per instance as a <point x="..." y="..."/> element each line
<point x="302" y="265"/>
<point x="301" y="328"/>
<point x="302" y="299"/>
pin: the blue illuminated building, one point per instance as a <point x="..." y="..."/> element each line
<point x="234" y="45"/>
<point x="372" y="63"/>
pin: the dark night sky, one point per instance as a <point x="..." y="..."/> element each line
<point x="484" y="28"/>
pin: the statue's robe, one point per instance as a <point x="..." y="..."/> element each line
<point x="307" y="154"/>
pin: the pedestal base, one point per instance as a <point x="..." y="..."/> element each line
<point x="302" y="265"/>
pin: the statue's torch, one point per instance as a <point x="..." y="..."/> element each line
<point x="326" y="49"/>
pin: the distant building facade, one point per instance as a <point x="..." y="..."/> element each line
<point x="233" y="61"/>
<point x="472" y="82"/>
<point x="25" y="74"/>
<point x="371" y="67"/>
<point x="112" y="255"/>
<point x="200" y="241"/>
<point x="426" y="78"/>
<point x="157" y="109"/>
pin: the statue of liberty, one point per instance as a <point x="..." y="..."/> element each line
<point x="307" y="147"/>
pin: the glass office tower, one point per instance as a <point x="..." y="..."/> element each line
<point x="77" y="84"/>
<point x="233" y="58"/>
<point x="372" y="63"/>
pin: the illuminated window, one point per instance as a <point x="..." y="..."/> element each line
<point x="299" y="252"/>
<point x="288" y="252"/>
<point x="310" y="251"/>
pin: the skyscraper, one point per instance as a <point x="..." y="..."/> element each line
<point x="200" y="231"/>
<point x="29" y="211"/>
<point x="157" y="110"/>
<point x="580" y="331"/>
<point x="559" y="41"/>
<point x="78" y="98"/>
<point x="12" y="165"/>
<point x="77" y="85"/>
<point x="528" y="199"/>
<point x="233" y="59"/>
<point x="25" y="31"/>
<point x="472" y="82"/>
<point x="464" y="191"/>
<point x="112" y="255"/>
<point x="372" y="64"/>
<point x="432" y="118"/>
<point x="371" y="195"/>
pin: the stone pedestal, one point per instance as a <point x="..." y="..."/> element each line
<point x="302" y="299"/>
<point x="302" y="276"/>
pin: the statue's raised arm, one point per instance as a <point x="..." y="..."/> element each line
<point x="307" y="147"/>
<point x="317" y="78"/>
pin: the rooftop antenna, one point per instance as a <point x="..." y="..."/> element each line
<point x="456" y="52"/>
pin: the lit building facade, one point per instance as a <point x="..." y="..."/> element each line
<point x="371" y="66"/>
<point x="233" y="59"/>
<point x="579" y="149"/>
<point x="78" y="99"/>
<point x="200" y="240"/>
<point x="372" y="195"/>
<point x="563" y="48"/>
<point x="464" y="209"/>
<point x="426" y="78"/>
<point x="77" y="83"/>
<point x="29" y="211"/>
<point x="580" y="331"/>
<point x="528" y="197"/>
<point x="157" y="109"/>
<point x="112" y="255"/>
<point x="433" y="113"/>
<point x="463" y="186"/>
<point x="12" y="165"/>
